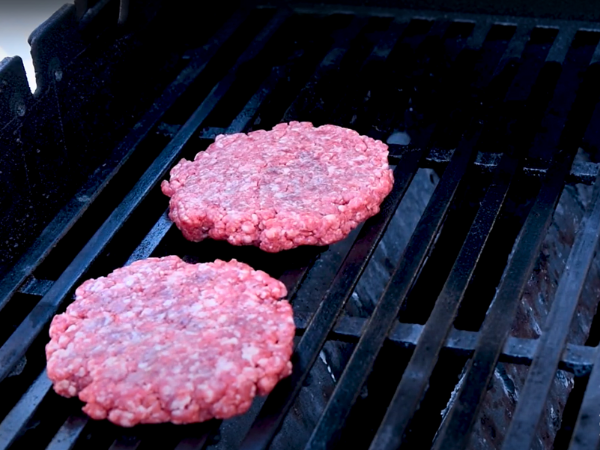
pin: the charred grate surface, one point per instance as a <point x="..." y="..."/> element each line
<point x="492" y="126"/>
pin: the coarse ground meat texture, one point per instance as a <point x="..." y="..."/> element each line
<point x="294" y="185"/>
<point x="166" y="341"/>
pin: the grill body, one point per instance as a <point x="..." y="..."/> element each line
<point x="461" y="316"/>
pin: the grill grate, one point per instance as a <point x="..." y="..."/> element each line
<point x="498" y="106"/>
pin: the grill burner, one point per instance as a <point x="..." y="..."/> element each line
<point x="461" y="315"/>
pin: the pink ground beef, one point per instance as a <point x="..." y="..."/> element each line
<point x="166" y="341"/>
<point x="294" y="185"/>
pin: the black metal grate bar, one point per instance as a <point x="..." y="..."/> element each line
<point x="539" y="379"/>
<point x="152" y="239"/>
<point x="454" y="433"/>
<point x="33" y="286"/>
<point x="243" y="119"/>
<point x="67" y="217"/>
<point x="562" y="101"/>
<point x="516" y="46"/>
<point x="364" y="355"/>
<point x="577" y="359"/>
<point x="17" y="418"/>
<point x="382" y="50"/>
<point x="125" y="443"/>
<point x="585" y="434"/>
<point x="69" y="432"/>
<point x="24" y="335"/>
<point x="359" y="366"/>
<point x="562" y="43"/>
<point x="356" y="88"/>
<point x="478" y="35"/>
<point x="416" y="376"/>
<point x="281" y="399"/>
<point x="487" y="162"/>
<point x="200" y="440"/>
<point x="330" y="62"/>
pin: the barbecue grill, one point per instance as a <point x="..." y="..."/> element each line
<point x="461" y="316"/>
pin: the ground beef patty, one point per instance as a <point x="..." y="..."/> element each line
<point x="294" y="185"/>
<point x="166" y="341"/>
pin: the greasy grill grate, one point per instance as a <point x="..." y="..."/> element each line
<point x="499" y="106"/>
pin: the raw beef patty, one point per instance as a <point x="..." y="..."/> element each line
<point x="166" y="341"/>
<point x="294" y="185"/>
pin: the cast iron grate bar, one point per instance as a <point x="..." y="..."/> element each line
<point x="562" y="44"/>
<point x="291" y="279"/>
<point x="21" y="339"/>
<point x="551" y="343"/>
<point x="330" y="62"/>
<point x="152" y="239"/>
<point x="585" y="434"/>
<point x="356" y="88"/>
<point x="33" y="286"/>
<point x="415" y="379"/>
<point x="454" y="433"/>
<point x="516" y="46"/>
<point x="243" y="119"/>
<point x="374" y="110"/>
<point x="438" y="28"/>
<point x="562" y="103"/>
<point x="67" y="217"/>
<point x="381" y="321"/>
<point x="581" y="171"/>
<point x="480" y="31"/>
<point x="437" y="158"/>
<point x="126" y="443"/>
<point x="416" y="376"/>
<point x="577" y="359"/>
<point x="69" y="432"/>
<point x="281" y="399"/>
<point x="363" y="357"/>
<point x="15" y="421"/>
<point x="379" y="324"/>
<point x="201" y="439"/>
